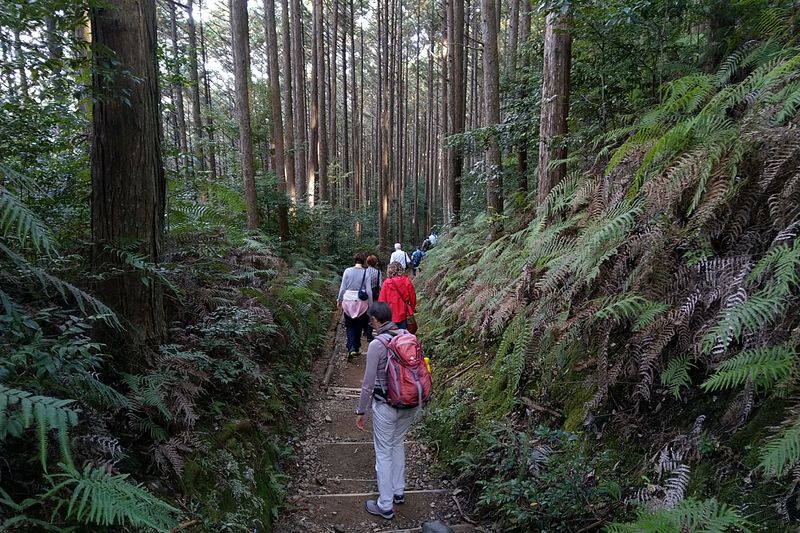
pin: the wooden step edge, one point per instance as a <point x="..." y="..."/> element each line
<point x="367" y="494"/>
<point x="455" y="527"/>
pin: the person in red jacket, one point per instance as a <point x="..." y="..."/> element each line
<point x="399" y="293"/>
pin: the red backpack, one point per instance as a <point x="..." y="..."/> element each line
<point x="408" y="381"/>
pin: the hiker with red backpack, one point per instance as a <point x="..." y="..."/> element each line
<point x="398" y="381"/>
<point x="399" y="293"/>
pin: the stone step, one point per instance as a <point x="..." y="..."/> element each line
<point x="346" y="511"/>
<point x="337" y="484"/>
<point x="346" y="460"/>
<point x="343" y="424"/>
<point x="356" y="459"/>
<point x="457" y="528"/>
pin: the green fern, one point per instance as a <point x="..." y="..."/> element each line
<point x="48" y="414"/>
<point x="67" y="291"/>
<point x="763" y="366"/>
<point x="676" y="375"/>
<point x="101" y="498"/>
<point x="697" y="516"/>
<point x="139" y="262"/>
<point x="781" y="452"/>
<point x="632" y="307"/>
<point x="18" y="221"/>
<point x="783" y="261"/>
<point x="751" y="315"/>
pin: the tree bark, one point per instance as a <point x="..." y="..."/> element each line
<point x="277" y="117"/>
<point x="128" y="186"/>
<point x="555" y="102"/>
<point x="491" y="95"/>
<point x="241" y="63"/>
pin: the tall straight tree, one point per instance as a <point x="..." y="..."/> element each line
<point x="288" y="95"/>
<point x="241" y="72"/>
<point x="333" y="48"/>
<point x="319" y="52"/>
<point x="385" y="129"/>
<point x="177" y="85"/>
<point x="301" y="125"/>
<point x="349" y="187"/>
<point x="277" y="116"/>
<point x="212" y="155"/>
<point x="356" y="129"/>
<point x="491" y="99"/>
<point x="194" y="78"/>
<point x="457" y="109"/>
<point x="555" y="101"/>
<point x="522" y="146"/>
<point x="128" y="186"/>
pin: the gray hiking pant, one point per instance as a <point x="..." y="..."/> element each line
<point x="389" y="428"/>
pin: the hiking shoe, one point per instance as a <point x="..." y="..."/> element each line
<point x="352" y="355"/>
<point x="399" y="499"/>
<point x="372" y="508"/>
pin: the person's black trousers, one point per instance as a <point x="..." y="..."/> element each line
<point x="355" y="328"/>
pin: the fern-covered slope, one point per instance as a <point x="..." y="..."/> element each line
<point x="649" y="309"/>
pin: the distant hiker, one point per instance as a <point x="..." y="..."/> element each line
<point x="416" y="259"/>
<point x="400" y="256"/>
<point x="375" y="276"/>
<point x="399" y="293"/>
<point x="355" y="295"/>
<point x="430" y="241"/>
<point x="376" y="280"/>
<point x="395" y="353"/>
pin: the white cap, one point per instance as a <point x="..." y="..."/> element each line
<point x="397" y="246"/>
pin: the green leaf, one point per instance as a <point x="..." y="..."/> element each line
<point x="763" y="366"/>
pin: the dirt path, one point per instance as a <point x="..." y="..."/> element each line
<point x="334" y="473"/>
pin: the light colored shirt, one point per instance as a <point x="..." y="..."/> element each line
<point x="352" y="279"/>
<point x="375" y="371"/>
<point x="401" y="257"/>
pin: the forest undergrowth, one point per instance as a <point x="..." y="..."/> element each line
<point x="100" y="431"/>
<point x="625" y="355"/>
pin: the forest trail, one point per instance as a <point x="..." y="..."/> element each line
<point x="334" y="471"/>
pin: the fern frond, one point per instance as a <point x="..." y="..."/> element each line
<point x="101" y="498"/>
<point x="49" y="414"/>
<point x="65" y="289"/>
<point x="632" y="307"/>
<point x="763" y="366"/>
<point x="697" y="516"/>
<point x="18" y="221"/>
<point x="676" y="375"/>
<point x="782" y="451"/>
